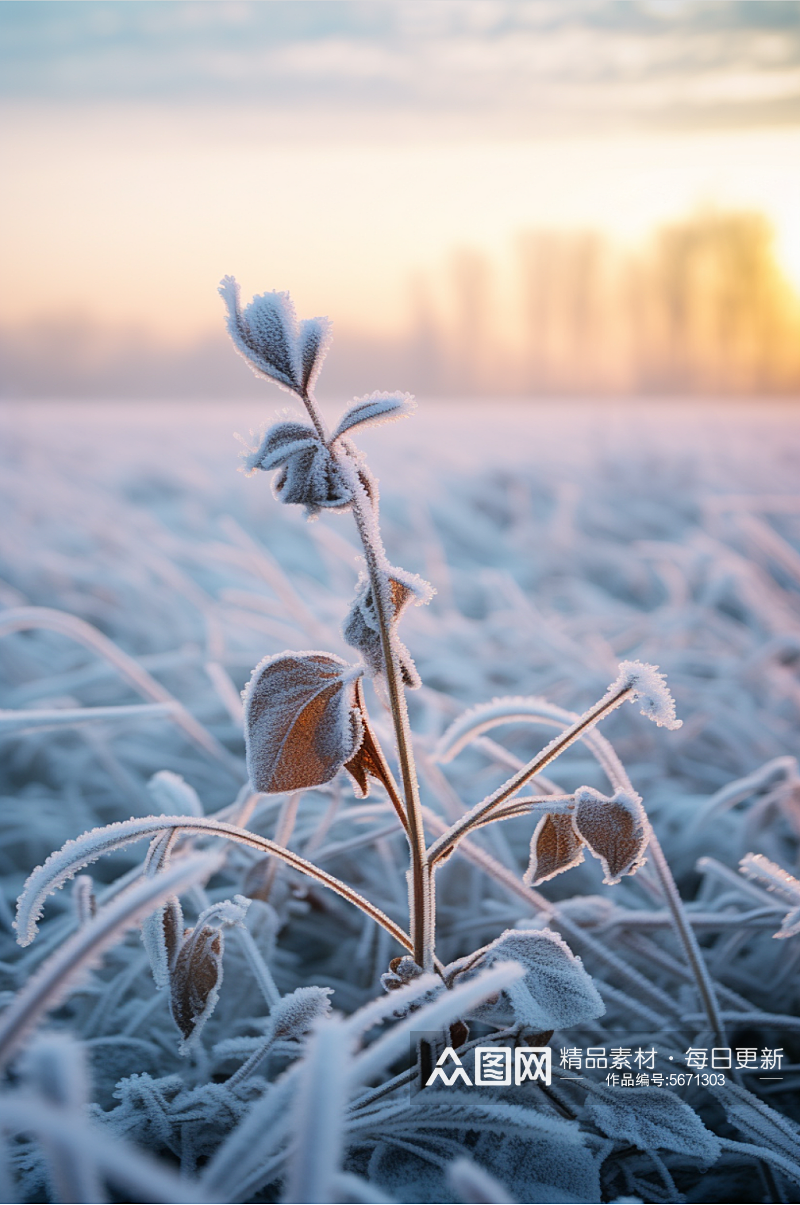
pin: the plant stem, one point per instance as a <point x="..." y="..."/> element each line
<point x="421" y="912"/>
<point x="688" y="940"/>
<point x="545" y="806"/>
<point x="476" y="817"/>
<point x="421" y="922"/>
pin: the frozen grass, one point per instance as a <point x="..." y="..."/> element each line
<point x="561" y="540"/>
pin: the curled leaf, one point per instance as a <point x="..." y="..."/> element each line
<point x="369" y="761"/>
<point x="401" y="971"/>
<point x="362" y="630"/>
<point x="162" y="934"/>
<point x="650" y="690"/>
<point x="616" y="830"/>
<point x="301" y="720"/>
<point x="197" y="971"/>
<point x="555" y="847"/>
<point x="555" y="990"/>
<point x="307" y="474"/>
<point x="374" y="409"/>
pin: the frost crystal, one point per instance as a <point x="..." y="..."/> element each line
<point x="307" y="473"/>
<point x="361" y="629"/>
<point x="616" y="830"/>
<point x="650" y="689"/>
<point x="555" y="990"/>
<point x="301" y="720"/>
<point x="267" y="335"/>
<point x="294" y="1015"/>
<point x="652" y="1119"/>
<point x="374" y="409"/>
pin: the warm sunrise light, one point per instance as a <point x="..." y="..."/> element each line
<point x="357" y="163"/>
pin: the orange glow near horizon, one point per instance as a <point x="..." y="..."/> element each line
<point x="128" y="218"/>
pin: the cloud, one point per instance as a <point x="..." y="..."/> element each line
<point x="515" y="63"/>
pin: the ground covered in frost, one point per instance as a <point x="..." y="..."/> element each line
<point x="561" y="539"/>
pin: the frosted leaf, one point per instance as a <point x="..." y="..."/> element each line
<point x="294" y="1015"/>
<point x="195" y="982"/>
<point x="315" y="339"/>
<point x="650" y="690"/>
<point x="776" y="879"/>
<point x="361" y="628"/>
<point x="301" y="720"/>
<point x="162" y="934"/>
<point x="652" y="1119"/>
<point x="265" y="333"/>
<point x="307" y="474"/>
<point x="555" y="990"/>
<point x="401" y="971"/>
<point x="555" y="847"/>
<point x="174" y="795"/>
<point x="375" y="409"/>
<point x="365" y="765"/>
<point x="368" y="761"/>
<point x="197" y="971"/>
<point x="616" y="830"/>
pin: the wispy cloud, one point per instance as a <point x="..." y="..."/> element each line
<point x="520" y="63"/>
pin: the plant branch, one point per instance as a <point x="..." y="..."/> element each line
<point x="419" y="903"/>
<point x="476" y="816"/>
<point x="66" y="862"/>
<point x="539" y="805"/>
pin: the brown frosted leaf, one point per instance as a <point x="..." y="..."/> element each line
<point x="195" y="980"/>
<point x="302" y="723"/>
<point x="616" y="830"/>
<point x="555" y="847"/>
<point x="369" y="761"/>
<point x="196" y="973"/>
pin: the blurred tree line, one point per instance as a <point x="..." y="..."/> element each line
<point x="703" y="309"/>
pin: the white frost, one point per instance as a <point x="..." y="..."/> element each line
<point x="650" y="689"/>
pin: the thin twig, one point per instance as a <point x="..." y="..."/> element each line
<point x="556" y="747"/>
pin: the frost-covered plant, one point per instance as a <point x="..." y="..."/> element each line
<point x="260" y="1132"/>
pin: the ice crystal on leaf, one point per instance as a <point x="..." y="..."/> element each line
<point x="301" y="720"/>
<point x="616" y="830"/>
<point x="267" y="335"/>
<point x="295" y="1015"/>
<point x="361" y="628"/>
<point x="650" y="690"/>
<point x="197" y="970"/>
<point x="555" y="847"/>
<point x="652" y="1119"/>
<point x="555" y="990"/>
<point x="307" y="474"/>
<point x="375" y="409"/>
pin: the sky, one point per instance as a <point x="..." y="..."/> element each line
<point x="343" y="151"/>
